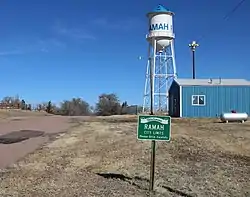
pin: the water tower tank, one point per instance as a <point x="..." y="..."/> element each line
<point x="160" y="27"/>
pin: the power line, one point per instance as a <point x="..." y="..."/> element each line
<point x="227" y="16"/>
<point x="236" y="7"/>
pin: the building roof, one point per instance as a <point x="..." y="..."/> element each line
<point x="160" y="8"/>
<point x="212" y="82"/>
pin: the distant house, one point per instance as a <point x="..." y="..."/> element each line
<point x="208" y="97"/>
<point x="9" y="105"/>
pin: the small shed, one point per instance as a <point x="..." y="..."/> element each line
<point x="208" y="97"/>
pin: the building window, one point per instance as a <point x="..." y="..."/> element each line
<point x="199" y="100"/>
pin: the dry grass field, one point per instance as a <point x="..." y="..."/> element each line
<point x="17" y="113"/>
<point x="101" y="157"/>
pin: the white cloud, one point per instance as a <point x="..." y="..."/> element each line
<point x="50" y="44"/>
<point x="74" y="33"/>
<point x="46" y="45"/>
<point x="35" y="45"/>
<point x="12" y="52"/>
<point x="123" y="24"/>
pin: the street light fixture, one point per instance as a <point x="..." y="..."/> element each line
<point x="193" y="46"/>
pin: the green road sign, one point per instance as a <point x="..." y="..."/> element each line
<point x="154" y="128"/>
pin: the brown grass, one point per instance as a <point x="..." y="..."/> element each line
<point x="204" y="158"/>
<point x="12" y="113"/>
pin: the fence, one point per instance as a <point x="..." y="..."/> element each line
<point x="132" y="109"/>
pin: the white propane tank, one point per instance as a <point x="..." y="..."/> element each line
<point x="230" y="117"/>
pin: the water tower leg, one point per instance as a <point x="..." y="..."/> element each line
<point x="146" y="97"/>
<point x="153" y="74"/>
<point x="173" y="59"/>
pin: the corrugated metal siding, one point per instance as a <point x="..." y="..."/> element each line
<point x="218" y="99"/>
<point x="212" y="82"/>
<point x="174" y="93"/>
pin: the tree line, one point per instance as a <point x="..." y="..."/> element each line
<point x="108" y="104"/>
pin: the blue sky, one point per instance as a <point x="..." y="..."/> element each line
<point x="56" y="50"/>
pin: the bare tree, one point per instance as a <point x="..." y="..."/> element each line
<point x="7" y="100"/>
<point x="11" y="101"/>
<point x="75" y="107"/>
<point x="108" y="104"/>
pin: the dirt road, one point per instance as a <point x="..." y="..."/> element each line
<point x="20" y="136"/>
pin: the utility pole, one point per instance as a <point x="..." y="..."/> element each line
<point x="193" y="46"/>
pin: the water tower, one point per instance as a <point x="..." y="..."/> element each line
<point x="161" y="57"/>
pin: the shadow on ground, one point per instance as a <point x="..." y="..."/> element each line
<point x="18" y="136"/>
<point x="134" y="181"/>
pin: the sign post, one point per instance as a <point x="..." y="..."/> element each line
<point x="150" y="127"/>
<point x="152" y="167"/>
<point x="154" y="128"/>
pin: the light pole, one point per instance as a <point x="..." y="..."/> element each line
<point x="193" y="46"/>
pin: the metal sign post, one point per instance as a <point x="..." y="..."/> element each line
<point x="152" y="163"/>
<point x="152" y="166"/>
<point x="152" y="127"/>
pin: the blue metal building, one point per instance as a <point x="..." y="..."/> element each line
<point x="208" y="97"/>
